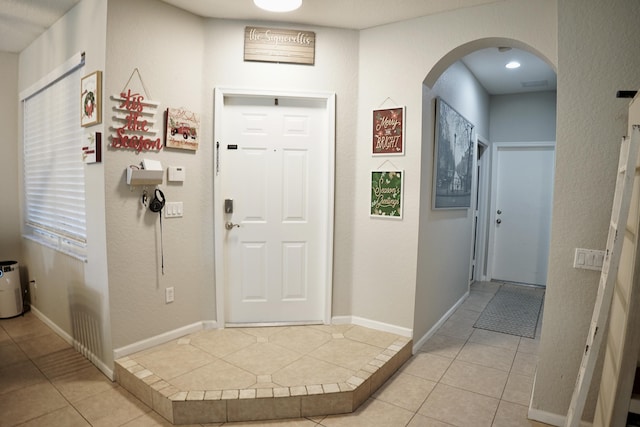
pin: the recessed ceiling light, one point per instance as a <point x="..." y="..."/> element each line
<point x="278" y="5"/>
<point x="513" y="64"/>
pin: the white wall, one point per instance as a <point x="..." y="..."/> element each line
<point x="9" y="199"/>
<point x="166" y="46"/>
<point x="66" y="287"/>
<point x="523" y="117"/>
<point x="596" y="57"/>
<point x="443" y="268"/>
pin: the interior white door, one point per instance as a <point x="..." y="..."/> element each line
<point x="274" y="156"/>
<point x="522" y="195"/>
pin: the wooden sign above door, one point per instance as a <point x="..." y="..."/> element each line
<point x="278" y="45"/>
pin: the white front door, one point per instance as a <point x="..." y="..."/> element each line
<point x="522" y="195"/>
<point x="275" y="160"/>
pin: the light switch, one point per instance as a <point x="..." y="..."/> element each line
<point x="589" y="259"/>
<point x="599" y="259"/>
<point x="173" y="210"/>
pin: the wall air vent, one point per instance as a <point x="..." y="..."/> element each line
<point x="535" y="83"/>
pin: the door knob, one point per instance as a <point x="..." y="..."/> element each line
<point x="499" y="211"/>
<point x="498" y="221"/>
<point x="229" y="225"/>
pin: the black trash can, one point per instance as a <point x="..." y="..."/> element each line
<point x="10" y="290"/>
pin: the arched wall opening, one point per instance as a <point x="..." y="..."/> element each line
<point x="445" y="236"/>
<point x="461" y="51"/>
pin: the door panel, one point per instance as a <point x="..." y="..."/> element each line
<point x="274" y="163"/>
<point x="253" y="193"/>
<point x="254" y="277"/>
<point x="294" y="280"/>
<point x="295" y="180"/>
<point x="522" y="212"/>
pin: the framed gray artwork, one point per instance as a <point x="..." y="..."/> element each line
<point x="453" y="159"/>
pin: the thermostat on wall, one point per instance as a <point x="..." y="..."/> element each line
<point x="176" y="173"/>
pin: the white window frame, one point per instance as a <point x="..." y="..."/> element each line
<point x="53" y="170"/>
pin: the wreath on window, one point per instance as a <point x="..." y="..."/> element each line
<point x="89" y="104"/>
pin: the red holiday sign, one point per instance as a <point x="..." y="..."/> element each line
<point x="131" y="135"/>
<point x="388" y="131"/>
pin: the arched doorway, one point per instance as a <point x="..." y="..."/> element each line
<point x="447" y="236"/>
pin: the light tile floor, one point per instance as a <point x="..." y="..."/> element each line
<point x="461" y="377"/>
<point x="246" y="374"/>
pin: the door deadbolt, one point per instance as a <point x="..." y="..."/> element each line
<point x="499" y="211"/>
<point x="228" y="206"/>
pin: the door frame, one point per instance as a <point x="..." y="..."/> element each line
<point x="220" y="93"/>
<point x="477" y="270"/>
<point x="494" y="188"/>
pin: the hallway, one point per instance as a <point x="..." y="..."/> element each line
<point x="461" y="377"/>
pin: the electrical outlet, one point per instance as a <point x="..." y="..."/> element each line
<point x="33" y="293"/>
<point x="168" y="295"/>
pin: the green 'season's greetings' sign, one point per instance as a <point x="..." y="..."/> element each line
<point x="386" y="194"/>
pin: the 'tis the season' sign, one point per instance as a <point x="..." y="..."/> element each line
<point x="135" y="130"/>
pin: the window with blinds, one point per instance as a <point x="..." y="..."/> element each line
<point x="54" y="190"/>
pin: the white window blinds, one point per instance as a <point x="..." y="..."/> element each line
<point x="53" y="168"/>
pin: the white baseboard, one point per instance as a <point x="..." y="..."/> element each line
<point x="209" y="324"/>
<point x="372" y="324"/>
<point x="552" y="419"/>
<point x="82" y="349"/>
<point x="75" y="344"/>
<point x="63" y="334"/>
<point x="419" y="343"/>
<point x="162" y="338"/>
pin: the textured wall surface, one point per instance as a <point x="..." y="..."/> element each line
<point x="445" y="236"/>
<point x="10" y="200"/>
<point x="523" y="117"/>
<point x="166" y="46"/>
<point x="64" y="281"/>
<point x="188" y="58"/>
<point x="596" y="57"/>
<point x="395" y="60"/>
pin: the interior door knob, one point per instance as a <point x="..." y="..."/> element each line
<point x="498" y="221"/>
<point x="229" y="225"/>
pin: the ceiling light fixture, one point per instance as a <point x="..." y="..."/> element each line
<point x="278" y="5"/>
<point x="513" y="65"/>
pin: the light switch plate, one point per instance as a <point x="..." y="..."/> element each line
<point x="589" y="259"/>
<point x="173" y="209"/>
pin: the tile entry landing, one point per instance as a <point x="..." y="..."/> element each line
<point x="249" y="374"/>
